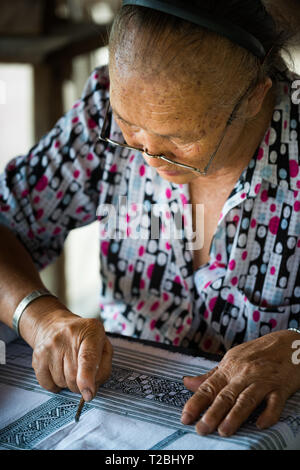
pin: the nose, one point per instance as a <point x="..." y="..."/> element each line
<point x="154" y="160"/>
<point x="151" y="155"/>
<point x="153" y="145"/>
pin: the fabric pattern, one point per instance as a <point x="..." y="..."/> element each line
<point x="139" y="407"/>
<point x="251" y="285"/>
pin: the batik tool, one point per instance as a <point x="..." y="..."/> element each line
<point x="79" y="409"/>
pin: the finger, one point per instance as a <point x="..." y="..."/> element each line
<point x="222" y="404"/>
<point x="271" y="414"/>
<point x="245" y="404"/>
<point x="45" y="379"/>
<point x="193" y="383"/>
<point x="203" y="397"/>
<point x="104" y="369"/>
<point x="42" y="372"/>
<point x="56" y="367"/>
<point x="89" y="359"/>
<point x="70" y="373"/>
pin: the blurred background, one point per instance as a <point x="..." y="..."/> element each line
<point x="44" y="63"/>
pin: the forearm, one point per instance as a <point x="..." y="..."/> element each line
<point x="19" y="277"/>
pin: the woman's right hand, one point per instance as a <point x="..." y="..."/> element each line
<point x="69" y="351"/>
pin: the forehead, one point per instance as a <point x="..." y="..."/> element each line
<point x="158" y="93"/>
<point x="164" y="107"/>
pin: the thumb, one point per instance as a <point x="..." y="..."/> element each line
<point x="193" y="383"/>
<point x="89" y="359"/>
<point x="105" y="369"/>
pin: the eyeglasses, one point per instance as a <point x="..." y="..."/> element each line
<point x="105" y="127"/>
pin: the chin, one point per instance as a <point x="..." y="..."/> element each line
<point x="178" y="178"/>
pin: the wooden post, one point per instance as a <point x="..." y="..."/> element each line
<point x="48" y="107"/>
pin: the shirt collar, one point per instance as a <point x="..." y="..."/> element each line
<point x="276" y="160"/>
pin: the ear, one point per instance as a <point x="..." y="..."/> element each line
<point x="257" y="97"/>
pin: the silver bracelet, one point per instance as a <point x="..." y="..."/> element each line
<point x="294" y="329"/>
<point x="24" y="304"/>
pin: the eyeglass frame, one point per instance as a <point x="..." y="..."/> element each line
<point x="163" y="157"/>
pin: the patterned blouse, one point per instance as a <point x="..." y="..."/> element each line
<point x="250" y="286"/>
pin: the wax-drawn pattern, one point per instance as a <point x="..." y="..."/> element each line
<point x="146" y="386"/>
<point x="39" y="423"/>
<point x="169" y="439"/>
<point x="293" y="423"/>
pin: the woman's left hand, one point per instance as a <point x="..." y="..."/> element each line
<point x="261" y="369"/>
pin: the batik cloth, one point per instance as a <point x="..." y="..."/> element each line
<point x="139" y="407"/>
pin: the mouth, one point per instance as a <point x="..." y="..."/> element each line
<point x="165" y="168"/>
<point x="168" y="171"/>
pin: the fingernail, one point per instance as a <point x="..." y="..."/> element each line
<point x="186" y="418"/>
<point x="260" y="426"/>
<point x="225" y="430"/>
<point x="202" y="428"/>
<point x="87" y="394"/>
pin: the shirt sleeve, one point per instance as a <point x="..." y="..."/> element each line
<point x="54" y="188"/>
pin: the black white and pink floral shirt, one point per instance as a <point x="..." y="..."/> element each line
<point x="251" y="285"/>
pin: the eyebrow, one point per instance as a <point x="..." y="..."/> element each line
<point x="180" y="136"/>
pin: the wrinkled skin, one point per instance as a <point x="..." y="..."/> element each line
<point x="248" y="374"/>
<point x="70" y="352"/>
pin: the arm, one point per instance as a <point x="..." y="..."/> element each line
<point x="68" y="351"/>
<point x="43" y="195"/>
<point x="19" y="277"/>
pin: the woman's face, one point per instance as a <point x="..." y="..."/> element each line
<point x="173" y="118"/>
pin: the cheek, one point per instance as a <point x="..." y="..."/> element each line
<point x="193" y="151"/>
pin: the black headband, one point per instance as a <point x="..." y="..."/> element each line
<point x="211" y="22"/>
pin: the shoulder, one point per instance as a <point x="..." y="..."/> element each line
<point x="87" y="113"/>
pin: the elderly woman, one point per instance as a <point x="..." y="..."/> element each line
<point x="192" y="132"/>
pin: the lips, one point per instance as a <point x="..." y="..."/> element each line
<point x="165" y="168"/>
<point x="167" y="171"/>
